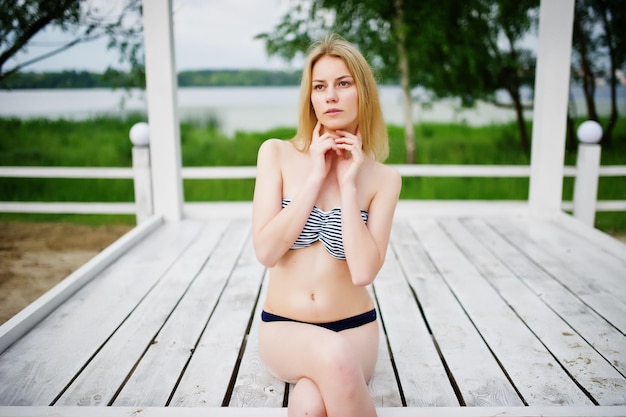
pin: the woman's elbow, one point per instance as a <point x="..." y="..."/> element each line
<point x="365" y="277"/>
<point x="362" y="280"/>
<point x="265" y="258"/>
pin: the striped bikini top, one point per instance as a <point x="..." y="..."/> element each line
<point x="324" y="226"/>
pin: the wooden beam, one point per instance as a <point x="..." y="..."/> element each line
<point x="564" y="411"/>
<point x="161" y="87"/>
<point x="556" y="19"/>
<point x="26" y="319"/>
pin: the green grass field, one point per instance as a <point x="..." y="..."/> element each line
<point x="104" y="142"/>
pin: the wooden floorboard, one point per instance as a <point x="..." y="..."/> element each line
<point x="48" y="358"/>
<point x="579" y="359"/>
<point x="480" y="381"/>
<point x="479" y="315"/>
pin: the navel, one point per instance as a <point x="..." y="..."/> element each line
<point x="312" y="296"/>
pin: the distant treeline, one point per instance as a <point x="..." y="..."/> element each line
<point x="115" y="79"/>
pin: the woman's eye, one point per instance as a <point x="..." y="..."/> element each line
<point x="344" y="83"/>
<point x="318" y="86"/>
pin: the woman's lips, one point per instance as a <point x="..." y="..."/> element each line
<point x="331" y="112"/>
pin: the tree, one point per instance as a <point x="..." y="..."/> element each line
<point x="511" y="66"/>
<point x="599" y="34"/>
<point x="449" y="47"/>
<point x="21" y="20"/>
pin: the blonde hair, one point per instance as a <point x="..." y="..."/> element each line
<point x="370" y="118"/>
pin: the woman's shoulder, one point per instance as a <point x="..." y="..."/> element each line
<point x="271" y="145"/>
<point x="384" y="179"/>
<point x="274" y="145"/>
<point x="384" y="171"/>
<point x="273" y="149"/>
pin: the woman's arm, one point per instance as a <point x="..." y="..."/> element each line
<point x="365" y="246"/>
<point x="275" y="229"/>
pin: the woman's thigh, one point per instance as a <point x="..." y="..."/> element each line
<point x="292" y="350"/>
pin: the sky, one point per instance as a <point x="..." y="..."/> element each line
<point x="208" y="34"/>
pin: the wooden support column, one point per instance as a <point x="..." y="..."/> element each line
<point x="161" y="88"/>
<point x="556" y="19"/>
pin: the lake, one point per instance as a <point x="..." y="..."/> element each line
<point x="254" y="108"/>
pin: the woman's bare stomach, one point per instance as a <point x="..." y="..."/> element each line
<point x="309" y="285"/>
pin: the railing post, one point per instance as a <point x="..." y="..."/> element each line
<point x="587" y="172"/>
<point x="140" y="137"/>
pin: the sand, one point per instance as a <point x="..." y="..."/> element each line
<point x="36" y="256"/>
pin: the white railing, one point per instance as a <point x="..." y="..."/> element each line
<point x="584" y="204"/>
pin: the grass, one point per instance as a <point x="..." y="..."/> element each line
<point x="103" y="142"/>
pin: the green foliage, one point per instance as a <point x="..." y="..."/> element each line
<point x="98" y="142"/>
<point x="599" y="46"/>
<point x="21" y="21"/>
<point x="104" y="142"/>
<point x="112" y="78"/>
<point x="451" y="48"/>
<point x="206" y="78"/>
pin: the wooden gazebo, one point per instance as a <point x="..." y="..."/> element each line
<point x="486" y="309"/>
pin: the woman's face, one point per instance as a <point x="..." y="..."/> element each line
<point x="334" y="94"/>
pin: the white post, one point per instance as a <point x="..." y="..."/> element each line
<point x="161" y="89"/>
<point x="142" y="178"/>
<point x="556" y="19"/>
<point x="587" y="172"/>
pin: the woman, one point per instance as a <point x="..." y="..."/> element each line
<point x="322" y="213"/>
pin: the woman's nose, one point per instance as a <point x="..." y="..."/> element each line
<point x="331" y="95"/>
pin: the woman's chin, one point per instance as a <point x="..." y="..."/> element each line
<point x="334" y="125"/>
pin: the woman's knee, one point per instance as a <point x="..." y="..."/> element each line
<point x="306" y="400"/>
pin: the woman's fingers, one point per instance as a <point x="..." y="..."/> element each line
<point x="349" y="142"/>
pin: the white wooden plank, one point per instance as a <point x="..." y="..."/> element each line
<point x="530" y="366"/>
<point x="229" y="172"/>
<point x="383" y="385"/>
<point x="220" y="210"/>
<point x="465" y="170"/>
<point x="22" y="322"/>
<point x="603" y="382"/>
<point x="73" y="208"/>
<point x="595" y="237"/>
<point x="105" y="373"/>
<point x="35" y="369"/>
<point x="66" y="172"/>
<point x="211" y="367"/>
<point x="604" y="337"/>
<point x="233" y="172"/>
<point x="156" y="376"/>
<point x="282" y="412"/>
<point x="480" y="380"/>
<point x="599" y="268"/>
<point x="455" y="208"/>
<point x="422" y="375"/>
<point x="255" y="386"/>
<point x="583" y="283"/>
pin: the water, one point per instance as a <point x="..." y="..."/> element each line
<point x="253" y="108"/>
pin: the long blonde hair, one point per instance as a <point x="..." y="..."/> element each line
<point x="370" y="117"/>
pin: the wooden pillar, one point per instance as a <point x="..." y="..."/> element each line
<point x="556" y="18"/>
<point x="161" y="88"/>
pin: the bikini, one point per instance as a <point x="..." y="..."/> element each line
<point x="325" y="226"/>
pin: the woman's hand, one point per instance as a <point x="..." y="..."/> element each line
<point x="349" y="156"/>
<point x="321" y="150"/>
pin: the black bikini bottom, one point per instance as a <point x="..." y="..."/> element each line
<point x="336" y="326"/>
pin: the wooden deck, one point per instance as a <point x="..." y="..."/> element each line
<point x="482" y="314"/>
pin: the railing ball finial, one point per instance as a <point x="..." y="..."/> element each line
<point x="589" y="132"/>
<point x="140" y="134"/>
